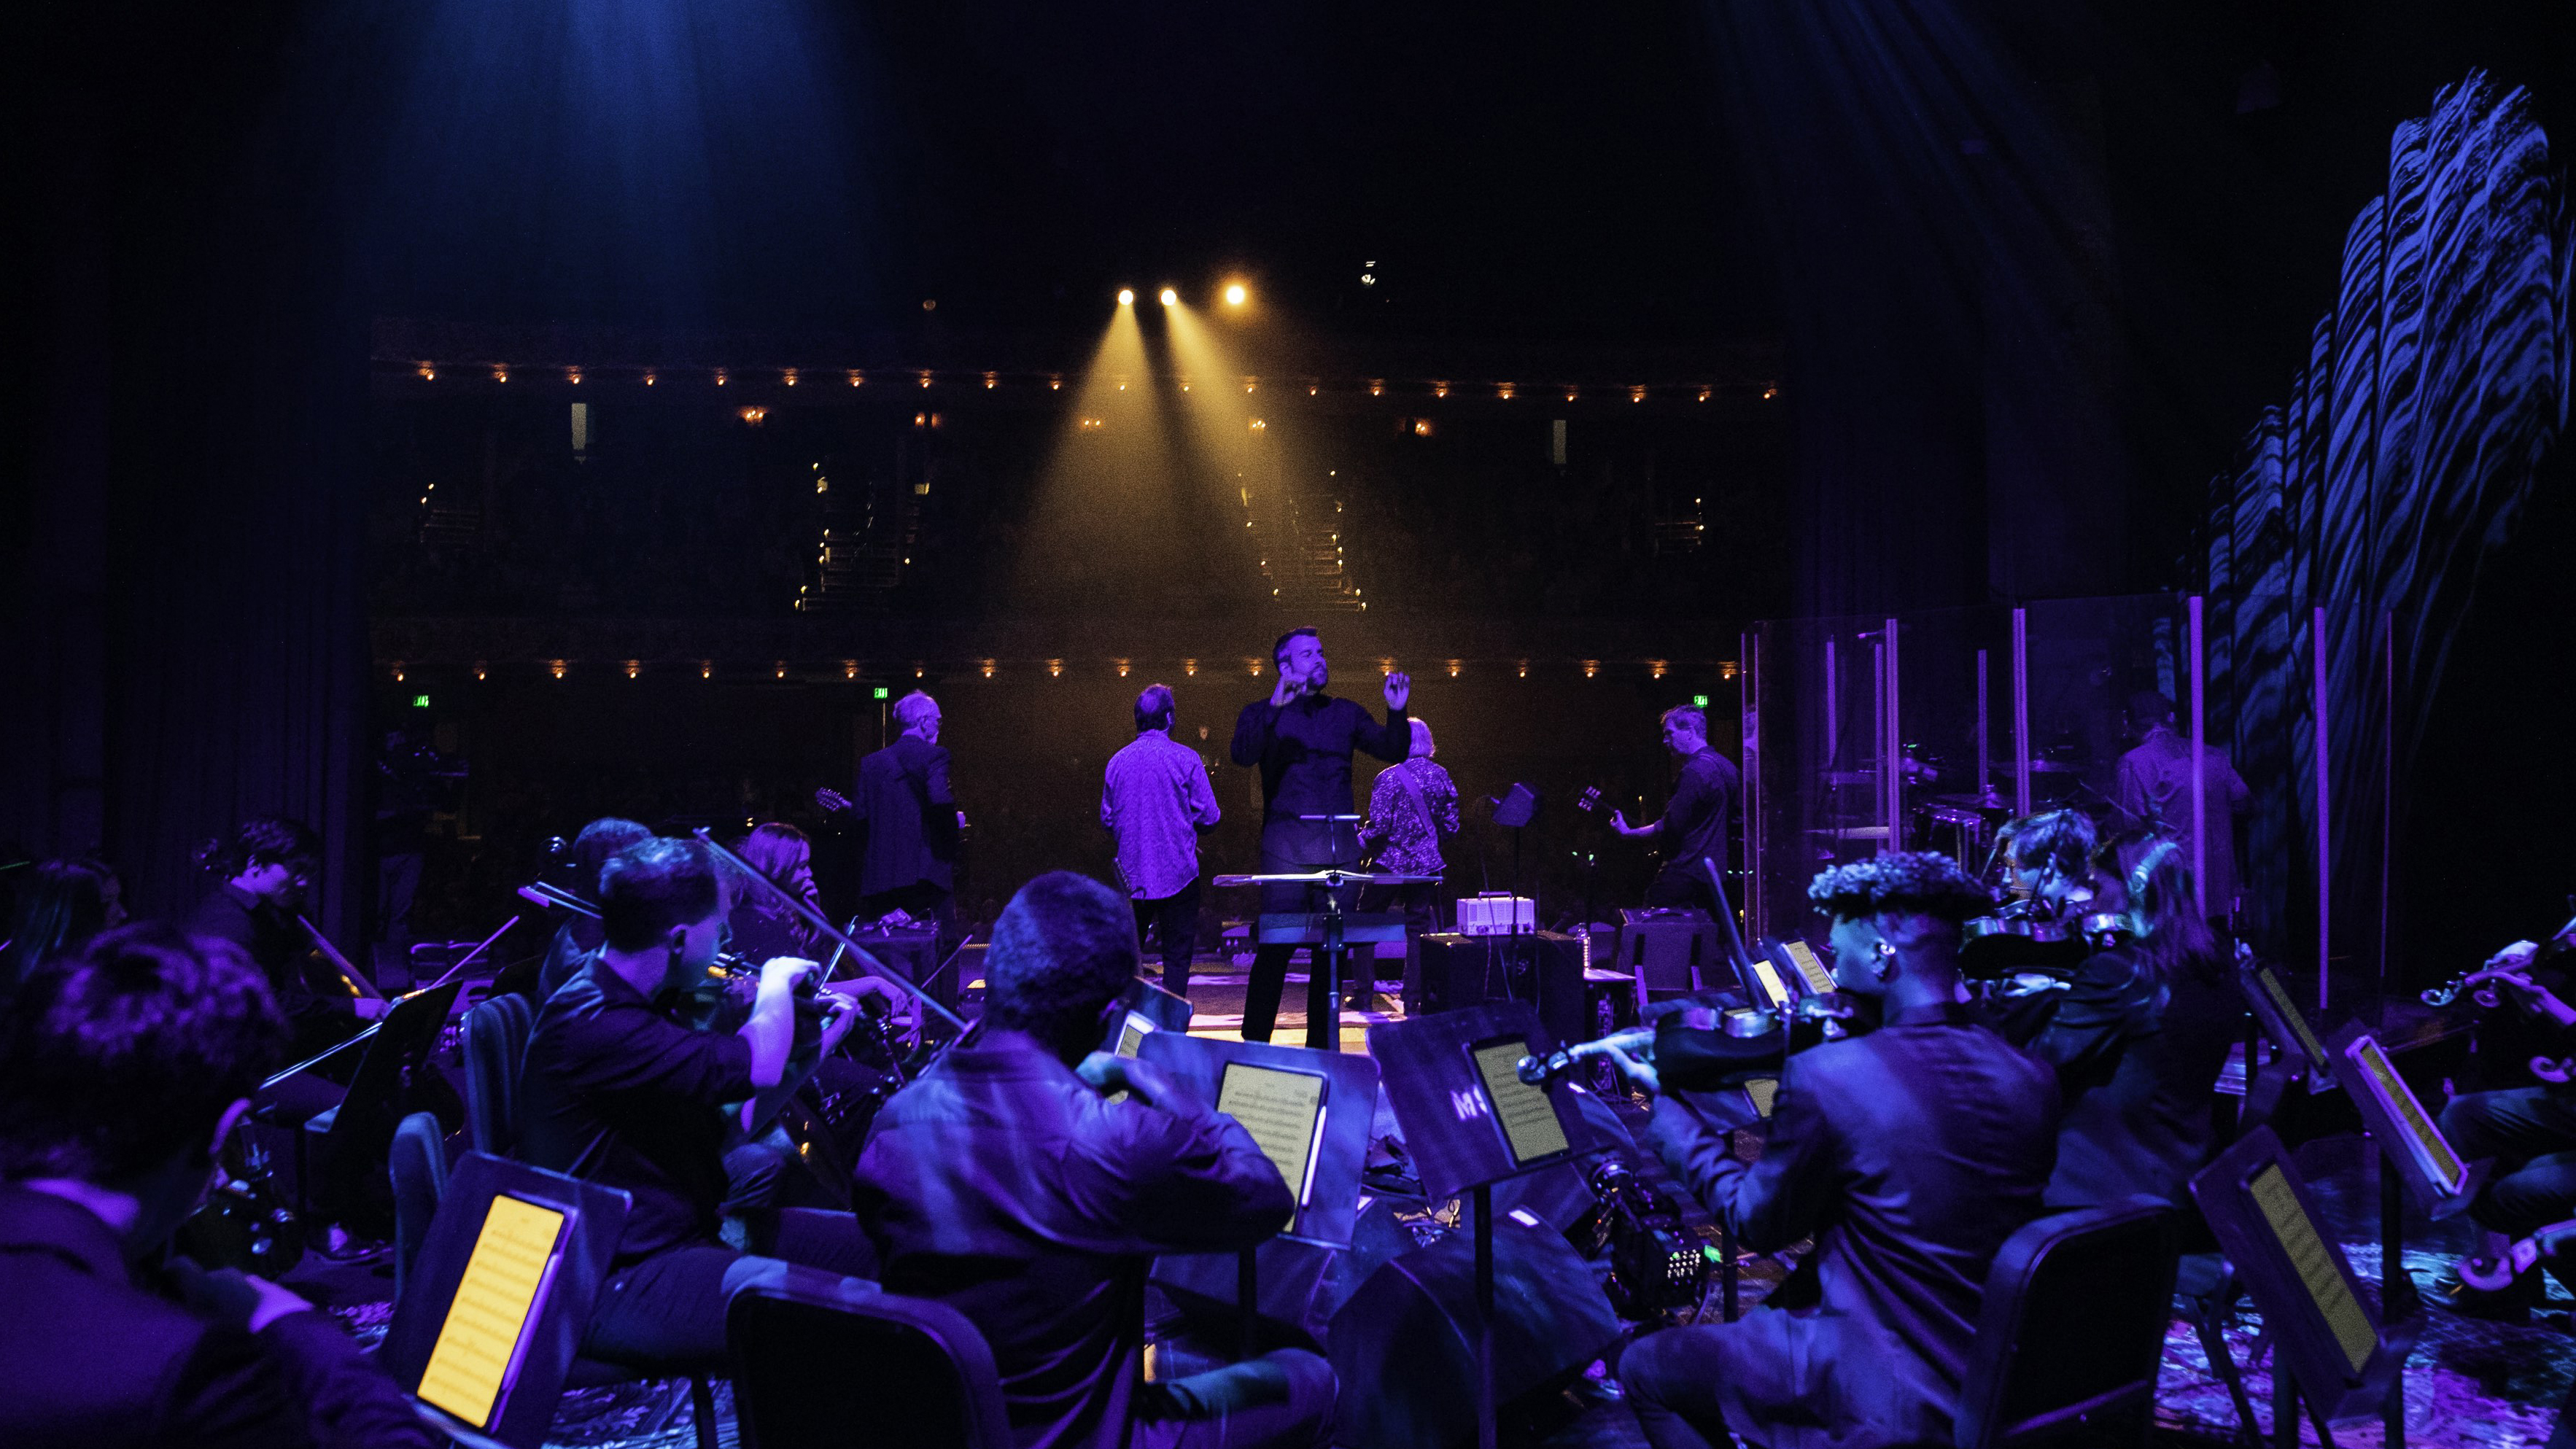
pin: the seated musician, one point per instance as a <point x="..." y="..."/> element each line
<point x="2529" y="1132"/>
<point x="267" y="867"/>
<point x="617" y="1091"/>
<point x="2139" y="1035"/>
<point x="579" y="935"/>
<point x="1007" y="1183"/>
<point x="122" y="1070"/>
<point x="1911" y="1153"/>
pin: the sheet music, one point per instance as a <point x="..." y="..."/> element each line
<point x="1528" y="1117"/>
<point x="2315" y="1265"/>
<point x="1131" y="1037"/>
<point x="478" y="1344"/>
<point x="1763" y="1091"/>
<point x="1776" y="992"/>
<point x="2431" y="1149"/>
<point x="1281" y="1110"/>
<point x="1803" y="956"/>
<point x="2290" y="1016"/>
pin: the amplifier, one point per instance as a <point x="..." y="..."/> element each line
<point x="1495" y="915"/>
<point x="1456" y="970"/>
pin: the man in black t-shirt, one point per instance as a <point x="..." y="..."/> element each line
<point x="1698" y="823"/>
<point x="618" y="1092"/>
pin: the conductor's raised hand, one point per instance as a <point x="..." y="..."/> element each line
<point x="1399" y="689"/>
<point x="1285" y="688"/>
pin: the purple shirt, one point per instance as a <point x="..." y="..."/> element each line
<point x="1156" y="798"/>
<point x="2154" y="791"/>
<point x="1411" y="821"/>
<point x="1002" y="1186"/>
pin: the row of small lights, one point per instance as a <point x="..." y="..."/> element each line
<point x="850" y="669"/>
<point x="924" y="377"/>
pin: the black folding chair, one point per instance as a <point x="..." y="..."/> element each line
<point x="804" y="1352"/>
<point x="2073" y="1330"/>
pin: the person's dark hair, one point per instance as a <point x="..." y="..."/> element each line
<point x="2168" y="934"/>
<point x="1279" y="646"/>
<point x="61" y="904"/>
<point x="1062" y="951"/>
<point x="1690" y="717"/>
<point x="262" y="840"/>
<point x="2060" y="838"/>
<point x="653" y="885"/>
<point x="1900" y="883"/>
<point x="599" y="840"/>
<point x="117" y="1059"/>
<point x="2149" y="708"/>
<point x="1154" y="708"/>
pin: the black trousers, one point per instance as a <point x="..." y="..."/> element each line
<point x="1682" y="884"/>
<point x="1420" y="907"/>
<point x="2531" y="1134"/>
<point x="667" y="1313"/>
<point x="1176" y="918"/>
<point x="1294" y="845"/>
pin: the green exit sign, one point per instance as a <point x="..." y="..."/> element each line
<point x="420" y="701"/>
<point x="1699" y="701"/>
<point x="881" y="691"/>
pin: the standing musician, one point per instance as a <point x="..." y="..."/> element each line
<point x="1028" y="1181"/>
<point x="1698" y="821"/>
<point x="2154" y="793"/>
<point x="617" y="1092"/>
<point x="1410" y="807"/>
<point x="2139" y="1035"/>
<point x="1156" y="799"/>
<point x="1910" y="1152"/>
<point x="1302" y="739"/>
<point x="904" y="802"/>
<point x="268" y="866"/>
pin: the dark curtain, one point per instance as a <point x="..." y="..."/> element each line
<point x="192" y="477"/>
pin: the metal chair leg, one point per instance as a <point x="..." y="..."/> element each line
<point x="702" y="1410"/>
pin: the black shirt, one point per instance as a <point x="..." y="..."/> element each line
<point x="618" y="1093"/>
<point x="317" y="1003"/>
<point x="2136" y="1060"/>
<point x="1699" y="821"/>
<point x="1304" y="750"/>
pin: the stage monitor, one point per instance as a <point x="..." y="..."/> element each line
<point x="1284" y="1112"/>
<point x="1526" y="1116"/>
<point x="485" y="1333"/>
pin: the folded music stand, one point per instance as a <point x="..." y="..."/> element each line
<point x="1469" y="1122"/>
<point x="1328" y="1187"/>
<point x="499" y="1298"/>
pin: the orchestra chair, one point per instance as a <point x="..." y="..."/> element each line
<point x="2073" y="1330"/>
<point x="419" y="1167"/>
<point x="496" y="1045"/>
<point x="805" y="1351"/>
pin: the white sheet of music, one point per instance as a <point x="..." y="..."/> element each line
<point x="1284" y="1113"/>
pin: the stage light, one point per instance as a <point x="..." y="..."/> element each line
<point x="1770" y="390"/>
<point x="1055" y="384"/>
<point x="857" y="377"/>
<point x="1654" y="669"/>
<point x="849" y="669"/>
<point x="1122" y="669"/>
<point x="1524" y="669"/>
<point x="500" y="374"/>
<point x="787" y="375"/>
<point x="925" y="377"/>
<point x="573" y="376"/>
<point x="1439" y="388"/>
<point x="648" y="379"/>
<point x="1168" y="297"/>
<point x="720" y="377"/>
<point x="1453" y="668"/>
<point x="634" y="668"/>
<point x="1591" y="667"/>
<point x="481" y="669"/>
<point x="1703" y="394"/>
<point x="1126" y="296"/>
<point x="398" y="671"/>
<point x="558" y="667"/>
<point x="1636" y="394"/>
<point x="1190" y="667"/>
<point x="428" y="373"/>
<point x="1258" y="425"/>
<point x="1503" y="390"/>
<point x="991" y="380"/>
<point x="1055" y="669"/>
<point x="752" y="416"/>
<point x="1234" y="294"/>
<point x="706" y="669"/>
<point x="1377" y="387"/>
<point x="988" y="669"/>
<point x="782" y="669"/>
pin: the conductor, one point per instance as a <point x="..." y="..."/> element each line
<point x="1301" y="739"/>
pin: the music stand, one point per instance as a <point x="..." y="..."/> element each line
<point x="1144" y="1008"/>
<point x="1469" y="1122"/>
<point x="360" y="1126"/>
<point x="1327" y="1184"/>
<point x="2296" y="1052"/>
<point x="1327" y="934"/>
<point x="2267" y="1224"/>
<point x="2415" y="1160"/>
<point x="499" y="1298"/>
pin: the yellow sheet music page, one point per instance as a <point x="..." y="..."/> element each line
<point x="2315" y="1265"/>
<point x="1529" y="1120"/>
<point x="494" y="1303"/>
<point x="1278" y="1108"/>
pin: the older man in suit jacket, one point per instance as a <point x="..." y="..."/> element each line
<point x="904" y="804"/>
